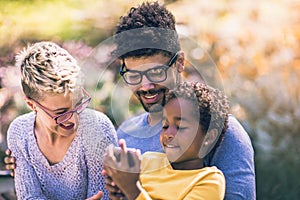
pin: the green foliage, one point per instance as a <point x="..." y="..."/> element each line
<point x="277" y="178"/>
<point x="54" y="20"/>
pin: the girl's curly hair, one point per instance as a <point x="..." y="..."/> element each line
<point x="210" y="103"/>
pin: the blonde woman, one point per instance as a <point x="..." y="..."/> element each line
<point x="59" y="145"/>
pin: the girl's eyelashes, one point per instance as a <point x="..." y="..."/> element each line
<point x="181" y="128"/>
<point x="165" y="127"/>
<point x="164" y="124"/>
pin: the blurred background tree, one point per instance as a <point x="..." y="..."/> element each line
<point x="255" y="47"/>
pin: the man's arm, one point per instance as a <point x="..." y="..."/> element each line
<point x="235" y="158"/>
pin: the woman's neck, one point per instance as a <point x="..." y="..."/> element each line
<point x="52" y="145"/>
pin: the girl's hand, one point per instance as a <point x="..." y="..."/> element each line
<point x="122" y="166"/>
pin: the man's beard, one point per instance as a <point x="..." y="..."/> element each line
<point x="157" y="107"/>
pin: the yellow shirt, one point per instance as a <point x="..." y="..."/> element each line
<point x="160" y="181"/>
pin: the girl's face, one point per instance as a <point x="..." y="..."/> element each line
<point x="181" y="135"/>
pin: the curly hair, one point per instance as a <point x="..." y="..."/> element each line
<point x="211" y="103"/>
<point x="146" y="30"/>
<point x="46" y="67"/>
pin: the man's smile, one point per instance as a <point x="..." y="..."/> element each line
<point x="151" y="96"/>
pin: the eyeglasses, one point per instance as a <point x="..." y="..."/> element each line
<point x="156" y="74"/>
<point x="61" y="118"/>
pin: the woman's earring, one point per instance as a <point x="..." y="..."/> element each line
<point x="205" y="143"/>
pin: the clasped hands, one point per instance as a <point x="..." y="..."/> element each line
<point x="121" y="166"/>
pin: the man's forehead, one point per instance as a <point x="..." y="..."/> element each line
<point x="145" y="61"/>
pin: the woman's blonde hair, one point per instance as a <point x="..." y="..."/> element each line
<point x="46" y="67"/>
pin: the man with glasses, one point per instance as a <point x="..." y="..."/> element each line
<point x="156" y="74"/>
<point x="151" y="64"/>
<point x="58" y="146"/>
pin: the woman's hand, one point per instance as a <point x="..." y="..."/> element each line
<point x="97" y="196"/>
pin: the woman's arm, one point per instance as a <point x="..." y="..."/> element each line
<point x="26" y="182"/>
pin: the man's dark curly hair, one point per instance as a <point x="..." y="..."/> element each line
<point x="146" y="30"/>
<point x="211" y="103"/>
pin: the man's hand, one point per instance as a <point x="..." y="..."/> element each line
<point x="10" y="162"/>
<point x="122" y="166"/>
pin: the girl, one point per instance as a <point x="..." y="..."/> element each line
<point x="194" y="122"/>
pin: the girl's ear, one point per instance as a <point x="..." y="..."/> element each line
<point x="30" y="103"/>
<point x="180" y="62"/>
<point x="209" y="142"/>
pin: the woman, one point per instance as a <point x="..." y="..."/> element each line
<point x="59" y="145"/>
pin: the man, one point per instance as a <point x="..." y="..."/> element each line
<point x="151" y="64"/>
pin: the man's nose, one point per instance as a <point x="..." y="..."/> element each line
<point x="146" y="84"/>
